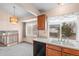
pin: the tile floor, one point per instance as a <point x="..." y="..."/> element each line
<point x="22" y="49"/>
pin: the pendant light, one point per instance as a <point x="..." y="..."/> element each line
<point x="14" y="19"/>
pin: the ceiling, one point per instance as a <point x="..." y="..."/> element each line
<point x="43" y="7"/>
<point x="21" y="12"/>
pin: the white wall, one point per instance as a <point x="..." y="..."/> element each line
<point x="6" y="25"/>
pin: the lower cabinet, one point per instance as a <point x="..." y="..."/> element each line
<point x="71" y="51"/>
<point x="51" y="52"/>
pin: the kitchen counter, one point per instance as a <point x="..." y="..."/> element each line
<point x="73" y="44"/>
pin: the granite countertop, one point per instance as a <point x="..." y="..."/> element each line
<point x="73" y="44"/>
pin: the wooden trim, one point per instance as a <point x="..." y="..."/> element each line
<point x="66" y="54"/>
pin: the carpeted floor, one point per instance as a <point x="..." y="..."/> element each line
<point x="22" y="49"/>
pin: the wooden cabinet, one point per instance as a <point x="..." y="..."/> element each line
<point x="54" y="47"/>
<point x="41" y="22"/>
<point x="52" y="50"/>
<point x="71" y="51"/>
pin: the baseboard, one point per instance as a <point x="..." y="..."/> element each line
<point x="26" y="42"/>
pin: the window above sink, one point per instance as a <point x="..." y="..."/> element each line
<point x="63" y="27"/>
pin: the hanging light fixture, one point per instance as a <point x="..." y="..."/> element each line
<point x="14" y="19"/>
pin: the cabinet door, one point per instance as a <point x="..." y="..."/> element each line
<point x="54" y="47"/>
<point x="71" y="51"/>
<point x="50" y="52"/>
<point x="41" y="22"/>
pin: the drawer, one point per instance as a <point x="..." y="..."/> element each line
<point x="53" y="47"/>
<point x="71" y="51"/>
<point x="50" y="52"/>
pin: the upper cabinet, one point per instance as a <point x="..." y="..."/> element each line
<point x="41" y="22"/>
